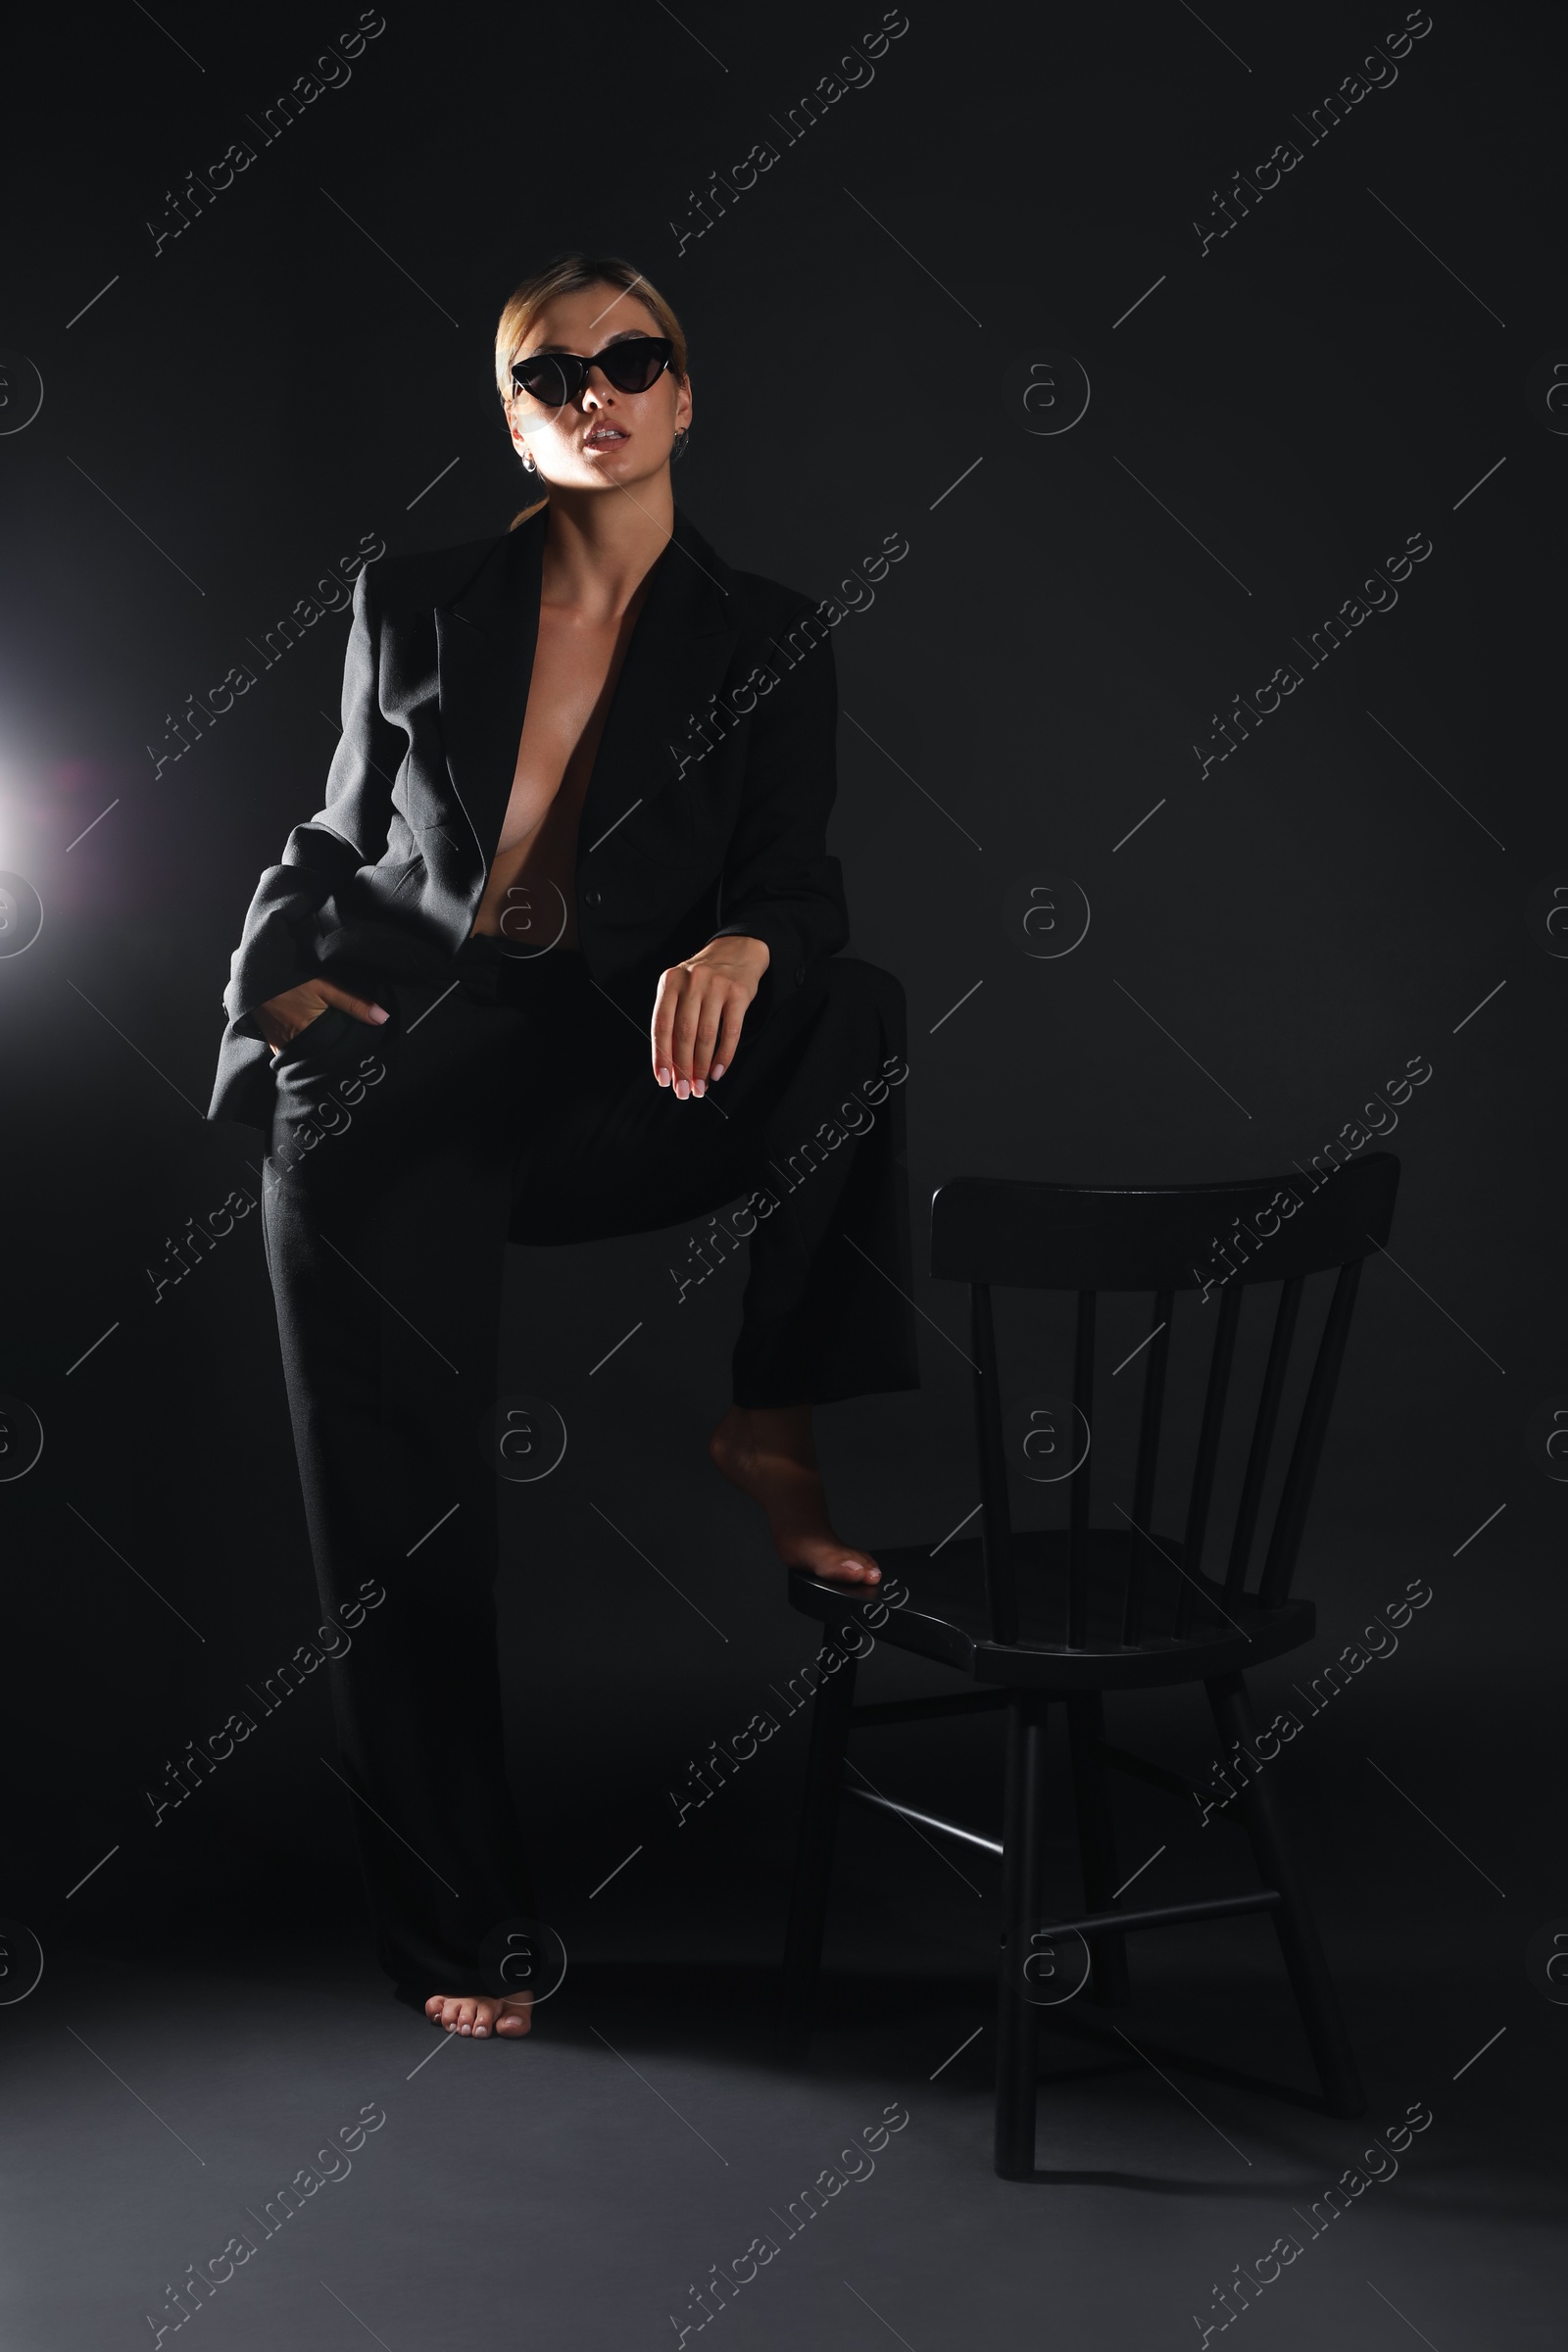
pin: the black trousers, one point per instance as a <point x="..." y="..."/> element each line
<point x="515" y="1101"/>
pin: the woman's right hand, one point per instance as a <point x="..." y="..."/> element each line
<point x="282" y="1017"/>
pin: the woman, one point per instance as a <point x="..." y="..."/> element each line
<point x="556" y="960"/>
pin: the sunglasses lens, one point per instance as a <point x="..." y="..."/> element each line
<point x="634" y="365"/>
<point x="543" y="379"/>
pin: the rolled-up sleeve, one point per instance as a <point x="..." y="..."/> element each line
<point x="778" y="883"/>
<point x="349" y="831"/>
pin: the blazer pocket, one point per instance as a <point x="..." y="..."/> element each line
<point x="335" y="1044"/>
<point x="320" y="1042"/>
<point x="652" y="870"/>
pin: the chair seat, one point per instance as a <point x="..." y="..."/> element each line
<point x="945" y="1617"/>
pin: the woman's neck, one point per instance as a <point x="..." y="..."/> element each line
<point x="599" y="547"/>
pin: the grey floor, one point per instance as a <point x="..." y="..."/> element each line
<point x="172" y="2074"/>
<point x="576" y="2188"/>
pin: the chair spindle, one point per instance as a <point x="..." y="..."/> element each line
<point x="1268" y="1410"/>
<point x="1140" y="1544"/>
<point x="1220" y="1360"/>
<point x="995" y="1521"/>
<point x="1083" y="1396"/>
<point x="1279" y="1565"/>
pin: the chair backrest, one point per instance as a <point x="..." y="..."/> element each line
<point x="1214" y="1239"/>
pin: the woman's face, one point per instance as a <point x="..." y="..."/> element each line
<point x="604" y="439"/>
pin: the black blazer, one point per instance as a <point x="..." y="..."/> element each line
<point x="706" y="813"/>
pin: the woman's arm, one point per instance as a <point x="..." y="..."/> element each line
<point x="779" y="884"/>
<point x="351" y="830"/>
<point x="782" y="891"/>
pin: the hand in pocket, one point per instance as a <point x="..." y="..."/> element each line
<point x="282" y="1017"/>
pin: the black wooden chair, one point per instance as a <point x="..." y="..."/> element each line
<point x="1033" y="1618"/>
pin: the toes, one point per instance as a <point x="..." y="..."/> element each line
<point x="854" y="1572"/>
<point x="476" y="2014"/>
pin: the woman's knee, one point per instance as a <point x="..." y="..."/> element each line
<point x="876" y="996"/>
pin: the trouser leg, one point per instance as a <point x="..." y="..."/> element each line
<point x="807" y="1124"/>
<point x="827" y="1311"/>
<point x="388" y="1203"/>
<point x="385" y="1237"/>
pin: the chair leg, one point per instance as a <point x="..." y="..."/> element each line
<point x="1017" y="2020"/>
<point x="1096" y="1844"/>
<point x="1310" y="1980"/>
<point x="813" y="1855"/>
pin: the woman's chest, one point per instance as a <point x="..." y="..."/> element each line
<point x="571" y="685"/>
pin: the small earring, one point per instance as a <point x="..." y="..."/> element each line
<point x="678" y="445"/>
<point x="528" y="463"/>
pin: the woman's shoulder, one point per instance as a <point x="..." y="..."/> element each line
<point x="418" y="579"/>
<point x="763" y="603"/>
<point x="769" y="603"/>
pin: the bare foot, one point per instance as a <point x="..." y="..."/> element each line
<point x="478" y="2014"/>
<point x="768" y="1453"/>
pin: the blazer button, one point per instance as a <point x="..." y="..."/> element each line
<point x="590" y="897"/>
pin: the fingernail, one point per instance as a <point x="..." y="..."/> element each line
<point x="718" y="1069"/>
<point x="699" y="1086"/>
<point x="377" y="1015"/>
<point x="663" y="1075"/>
<point x="682" y="1090"/>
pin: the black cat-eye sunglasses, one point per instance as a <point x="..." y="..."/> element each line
<point x="633" y="364"/>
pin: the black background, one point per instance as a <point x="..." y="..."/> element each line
<point x="1275" y="419"/>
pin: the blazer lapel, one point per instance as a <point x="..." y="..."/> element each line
<point x="680" y="648"/>
<point x="679" y="651"/>
<point x="485" y="640"/>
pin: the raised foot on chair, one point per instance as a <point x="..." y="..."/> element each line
<point x="768" y="1453"/>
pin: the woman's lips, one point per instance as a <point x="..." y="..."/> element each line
<point x="613" y="440"/>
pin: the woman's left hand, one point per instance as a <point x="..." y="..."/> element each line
<point x="699" y="1010"/>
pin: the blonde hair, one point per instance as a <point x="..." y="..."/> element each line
<point x="571" y="273"/>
